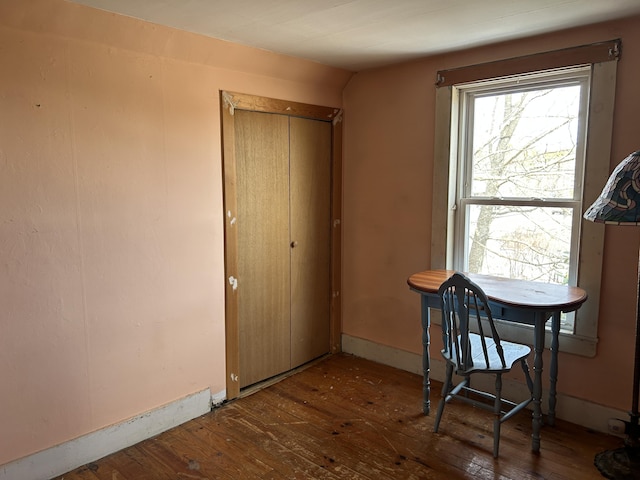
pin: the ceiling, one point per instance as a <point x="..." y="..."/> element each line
<point x="361" y="34"/>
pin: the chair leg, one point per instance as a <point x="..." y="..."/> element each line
<point x="527" y="374"/>
<point x="496" y="419"/>
<point x="446" y="388"/>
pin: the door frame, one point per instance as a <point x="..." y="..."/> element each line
<point x="229" y="102"/>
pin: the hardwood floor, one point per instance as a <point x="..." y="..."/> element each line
<point x="345" y="417"/>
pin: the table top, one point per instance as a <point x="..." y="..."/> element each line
<point x="518" y="293"/>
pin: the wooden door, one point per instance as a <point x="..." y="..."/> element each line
<point x="281" y="165"/>
<point x="310" y="194"/>
<point x="262" y="164"/>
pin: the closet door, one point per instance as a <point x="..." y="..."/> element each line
<point x="310" y="167"/>
<point x="281" y="168"/>
<point x="264" y="285"/>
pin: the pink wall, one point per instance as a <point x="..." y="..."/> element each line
<point x="111" y="226"/>
<point x="111" y="243"/>
<point x="388" y="157"/>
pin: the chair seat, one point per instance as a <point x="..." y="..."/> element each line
<point x="513" y="352"/>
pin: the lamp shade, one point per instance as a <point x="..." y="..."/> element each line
<point x="619" y="202"/>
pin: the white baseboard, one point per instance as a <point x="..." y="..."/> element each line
<point x="217" y="399"/>
<point x="571" y="409"/>
<point x="88" y="448"/>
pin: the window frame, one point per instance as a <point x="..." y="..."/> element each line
<point x="602" y="58"/>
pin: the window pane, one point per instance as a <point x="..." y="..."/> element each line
<point x="530" y="243"/>
<point x="524" y="143"/>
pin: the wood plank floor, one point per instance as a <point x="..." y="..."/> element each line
<point x="349" y="418"/>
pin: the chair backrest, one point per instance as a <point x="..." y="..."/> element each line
<point x="464" y="304"/>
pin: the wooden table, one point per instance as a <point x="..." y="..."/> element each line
<point x="520" y="301"/>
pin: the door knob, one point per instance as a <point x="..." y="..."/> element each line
<point x="294" y="244"/>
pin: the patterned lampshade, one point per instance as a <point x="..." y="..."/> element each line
<point x="619" y="202"/>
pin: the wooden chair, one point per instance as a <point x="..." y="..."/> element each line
<point x="465" y="306"/>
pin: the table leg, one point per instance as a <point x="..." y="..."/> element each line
<point x="553" y="368"/>
<point x="426" y="360"/>
<point x="538" y="347"/>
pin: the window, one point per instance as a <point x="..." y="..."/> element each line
<point x="518" y="190"/>
<point x="520" y="152"/>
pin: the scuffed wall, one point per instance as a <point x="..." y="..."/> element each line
<point x="111" y="227"/>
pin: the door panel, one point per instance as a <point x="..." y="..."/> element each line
<point x="262" y="163"/>
<point x="310" y="184"/>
